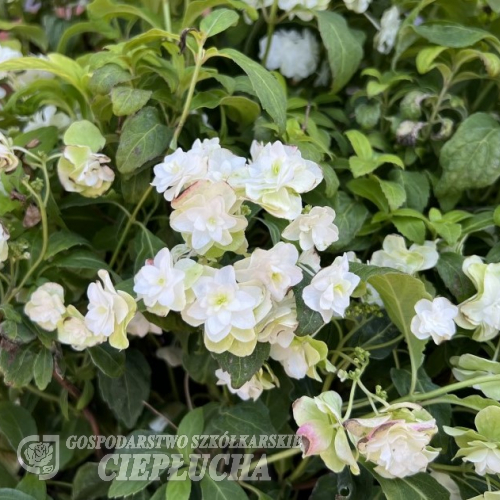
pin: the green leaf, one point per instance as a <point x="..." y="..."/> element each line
<point x="16" y="423"/>
<point x="127" y="101"/>
<point x="370" y="189"/>
<point x="80" y="259"/>
<point x="143" y="138"/>
<point x="243" y="368"/>
<point x="63" y="240"/>
<point x="449" y="268"/>
<point x="16" y="364"/>
<point x="269" y="91"/>
<point x="243" y="419"/>
<point x="395" y="194"/>
<point x="126" y="488"/>
<point x="198" y="7"/>
<point x="125" y="394"/>
<point x="42" y="368"/>
<point x="494" y="4"/>
<point x="217" y="21"/>
<point x="365" y="271"/>
<point x="416" y="186"/>
<point x="32" y="485"/>
<point x="309" y="321"/>
<point x="344" y="485"/>
<point x="419" y="487"/>
<point x="31" y="32"/>
<point x="191" y="425"/>
<point x="110" y="361"/>
<point x="178" y="490"/>
<point x="450" y="34"/>
<point x="343" y="47"/>
<point x="105" y="78"/>
<point x="400" y="293"/>
<point x="107" y="9"/>
<point x="87" y="485"/>
<point x="471" y="158"/>
<point x="9" y="494"/>
<point x="360" y="144"/>
<point x="411" y="228"/>
<point x="221" y="490"/>
<point x="84" y="133"/>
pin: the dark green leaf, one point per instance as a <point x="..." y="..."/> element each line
<point x="449" y="268"/>
<point x="109" y="360"/>
<point x="87" y="485"/>
<point x="16" y="423"/>
<point x="42" y="368"/>
<point x="127" y="101"/>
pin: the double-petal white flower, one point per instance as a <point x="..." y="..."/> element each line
<point x="162" y="284"/>
<point x="249" y="390"/>
<point x="395" y="254"/>
<point x="109" y="311"/>
<point x="207" y="215"/>
<point x="313" y="229"/>
<point x="46" y="306"/>
<point x="330" y="290"/>
<point x="434" y="319"/>
<point x="481" y="312"/>
<point x="228" y="311"/>
<point x="277" y="176"/>
<point x="4" y="247"/>
<point x="276" y="269"/>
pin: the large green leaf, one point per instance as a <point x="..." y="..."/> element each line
<point x="87" y="485"/>
<point x="242" y="368"/>
<point x="344" y="49"/>
<point x="471" y="158"/>
<point x="452" y="35"/>
<point x="217" y="21"/>
<point x="221" y="490"/>
<point x="110" y="361"/>
<point x="143" y="138"/>
<point x="400" y="292"/>
<point x="125" y="394"/>
<point x="16" y="423"/>
<point x="269" y="91"/>
<point x="127" y="101"/>
<point x="191" y="425"/>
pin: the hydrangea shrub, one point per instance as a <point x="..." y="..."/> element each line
<point x="253" y="217"/>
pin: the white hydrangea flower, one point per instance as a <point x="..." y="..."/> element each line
<point x="48" y="116"/>
<point x="330" y="290"/>
<point x="139" y="326"/>
<point x="207" y="215"/>
<point x="8" y="159"/>
<point x="4" y="247"/>
<point x="6" y="53"/>
<point x="397" y="442"/>
<point x="302" y="357"/>
<point x="481" y="312"/>
<point x="205" y="160"/>
<point x="178" y="171"/>
<point x="396" y="255"/>
<point x="277" y="176"/>
<point x="73" y="331"/>
<point x="228" y="310"/>
<point x="109" y="311"/>
<point x="161" y="284"/>
<point x="313" y="229"/>
<point x="303" y="9"/>
<point x="82" y="171"/>
<point x="279" y="325"/>
<point x="358" y="6"/>
<point x="249" y="390"/>
<point x="389" y="28"/>
<point x="434" y="319"/>
<point x="276" y="269"/>
<point x="295" y="54"/>
<point x="46" y="306"/>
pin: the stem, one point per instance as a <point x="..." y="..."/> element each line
<point x="130" y="221"/>
<point x="450" y="388"/>
<point x="270" y="30"/>
<point x="351" y="400"/>
<point x="166" y="15"/>
<point x="187" y="105"/>
<point x="45" y="241"/>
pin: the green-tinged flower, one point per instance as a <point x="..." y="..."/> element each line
<point x="397" y="441"/>
<point x="322" y="432"/>
<point x="8" y="159"/>
<point x="73" y="331"/>
<point x="83" y="171"/>
<point x="481" y="312"/>
<point x="302" y="357"/>
<point x="481" y="447"/>
<point x="488" y="495"/>
<point x="468" y="367"/>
